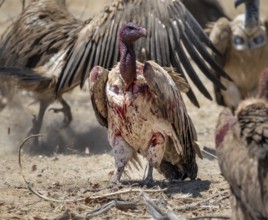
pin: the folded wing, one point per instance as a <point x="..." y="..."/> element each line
<point x="167" y="93"/>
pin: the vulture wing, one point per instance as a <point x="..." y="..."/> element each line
<point x="97" y="83"/>
<point x="173" y="32"/>
<point x="45" y="28"/>
<point x="166" y="89"/>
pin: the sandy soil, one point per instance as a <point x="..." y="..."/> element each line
<point x="78" y="158"/>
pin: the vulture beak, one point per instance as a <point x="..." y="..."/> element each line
<point x="238" y="2"/>
<point x="143" y="32"/>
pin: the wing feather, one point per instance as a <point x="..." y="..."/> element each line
<point x="152" y="38"/>
<point x="170" y="102"/>
<point x="204" y="53"/>
<point x="201" y="64"/>
<point x="177" y="65"/>
<point x="192" y="73"/>
<point x="168" y="23"/>
<point x="43" y="29"/>
<point x="97" y="83"/>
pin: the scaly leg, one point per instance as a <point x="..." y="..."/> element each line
<point x="155" y="155"/>
<point x="66" y="110"/>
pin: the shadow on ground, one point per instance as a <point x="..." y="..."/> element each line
<point x="193" y="187"/>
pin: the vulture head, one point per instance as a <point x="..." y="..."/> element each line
<point x="131" y="32"/>
<point x="247" y="31"/>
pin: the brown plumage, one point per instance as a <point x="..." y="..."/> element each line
<point x="242" y="150"/>
<point x="243" y="43"/>
<point x="62" y="49"/>
<point x="142" y="107"/>
<point x="39" y="39"/>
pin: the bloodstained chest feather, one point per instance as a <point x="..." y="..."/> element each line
<point x="124" y="103"/>
<point x="132" y="113"/>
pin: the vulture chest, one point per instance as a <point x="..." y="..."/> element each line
<point x="133" y="114"/>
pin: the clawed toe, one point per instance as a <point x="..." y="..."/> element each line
<point x="116" y="181"/>
<point x="67" y="115"/>
<point x="148" y="182"/>
<point x="56" y="110"/>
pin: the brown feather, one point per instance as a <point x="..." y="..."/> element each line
<point x="242" y="150"/>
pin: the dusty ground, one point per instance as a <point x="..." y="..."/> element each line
<point x="87" y="163"/>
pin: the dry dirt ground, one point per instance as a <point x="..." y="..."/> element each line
<point x="76" y="162"/>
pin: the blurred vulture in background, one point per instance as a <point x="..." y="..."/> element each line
<point x="242" y="150"/>
<point x="49" y="52"/>
<point x="243" y="43"/>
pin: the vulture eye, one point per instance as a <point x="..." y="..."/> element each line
<point x="131" y="28"/>
<point x="238" y="40"/>
<point x="259" y="39"/>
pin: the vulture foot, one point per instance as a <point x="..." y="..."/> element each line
<point x="37" y="124"/>
<point x="66" y="110"/>
<point x="149" y="181"/>
<point x="33" y="143"/>
<point x="118" y="174"/>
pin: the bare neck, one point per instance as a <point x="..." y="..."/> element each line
<point x="127" y="63"/>
<point x="252" y="14"/>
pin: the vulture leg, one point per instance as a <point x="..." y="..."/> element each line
<point x="123" y="152"/>
<point x="66" y="110"/>
<point x="37" y="121"/>
<point x="149" y="178"/>
<point x="155" y="155"/>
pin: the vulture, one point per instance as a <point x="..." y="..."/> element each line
<point x="142" y="107"/>
<point x="242" y="150"/>
<point x="243" y="43"/>
<point x="49" y="52"/>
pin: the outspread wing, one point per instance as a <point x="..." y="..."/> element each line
<point x="43" y="29"/>
<point x="168" y="96"/>
<point x="173" y="32"/>
<point x="97" y="83"/>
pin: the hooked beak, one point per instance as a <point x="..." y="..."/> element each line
<point x="143" y="32"/>
<point x="238" y="2"/>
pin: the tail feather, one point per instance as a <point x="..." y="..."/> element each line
<point x="26" y="78"/>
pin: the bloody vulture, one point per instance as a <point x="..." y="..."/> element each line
<point x="142" y="107"/>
